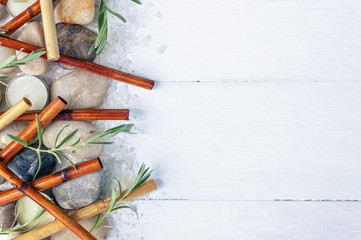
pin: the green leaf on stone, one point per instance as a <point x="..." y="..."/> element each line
<point x="19" y="140"/>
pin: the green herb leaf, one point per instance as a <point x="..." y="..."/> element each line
<point x="102" y="37"/>
<point x="11" y="61"/>
<point x="57" y="136"/>
<point x="67" y="138"/>
<point x="19" y="140"/>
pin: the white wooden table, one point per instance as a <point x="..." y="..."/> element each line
<point x="254" y="126"/>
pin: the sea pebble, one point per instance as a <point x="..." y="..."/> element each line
<point x="25" y="164"/>
<point x="7" y="215"/>
<point x="85" y="132"/>
<point x="2" y="11"/>
<point x="87" y="188"/>
<point x="75" y="11"/>
<point x="76" y="41"/>
<point x="13" y="129"/>
<point x="33" y="34"/>
<point x="99" y="234"/>
<point x="80" y="89"/>
<point x="5" y="53"/>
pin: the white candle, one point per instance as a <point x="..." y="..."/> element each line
<point x="15" y="7"/>
<point x="27" y="210"/>
<point x="27" y="86"/>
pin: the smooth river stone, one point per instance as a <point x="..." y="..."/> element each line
<point x="2" y="11"/>
<point x="5" y="53"/>
<point x="80" y="89"/>
<point x="14" y="129"/>
<point x="75" y="11"/>
<point x="79" y="192"/>
<point x="25" y="164"/>
<point x="99" y="234"/>
<point x="7" y="215"/>
<point x="76" y="41"/>
<point x="33" y="34"/>
<point x="85" y="132"/>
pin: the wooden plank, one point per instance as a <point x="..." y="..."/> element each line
<point x="240" y="220"/>
<point x="242" y="40"/>
<point x="252" y="141"/>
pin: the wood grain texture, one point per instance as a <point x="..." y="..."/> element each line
<point x="242" y="220"/>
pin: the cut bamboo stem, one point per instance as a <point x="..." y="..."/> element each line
<point x="80" y="115"/>
<point x="18" y="21"/>
<point x="83" y="65"/>
<point x="29" y="191"/>
<point x="54" y="179"/>
<point x="85" y="213"/>
<point x="45" y="203"/>
<point x="51" y="38"/>
<point x="31" y="130"/>
<point x="14" y="112"/>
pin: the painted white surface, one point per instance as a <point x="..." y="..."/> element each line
<point x="276" y="115"/>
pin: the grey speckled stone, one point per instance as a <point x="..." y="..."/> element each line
<point x="2" y="11"/>
<point x="7" y="215"/>
<point x="76" y="41"/>
<point x="79" y="192"/>
<point x="25" y="164"/>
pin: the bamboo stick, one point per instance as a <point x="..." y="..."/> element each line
<point x="83" y="65"/>
<point x="18" y="21"/>
<point x="51" y="180"/>
<point x="31" y="130"/>
<point x="80" y="115"/>
<point x="85" y="213"/>
<point x="3" y="2"/>
<point x="29" y="191"/>
<point x="45" y="203"/>
<point x="14" y="112"/>
<point x="51" y="38"/>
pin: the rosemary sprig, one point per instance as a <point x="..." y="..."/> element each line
<point x="22" y="228"/>
<point x="102" y="37"/>
<point x="3" y="32"/>
<point x="142" y="176"/>
<point x="58" y="148"/>
<point x="12" y="62"/>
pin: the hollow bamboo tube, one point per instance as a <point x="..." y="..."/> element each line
<point x="14" y="112"/>
<point x="80" y="114"/>
<point x="82" y="64"/>
<point x="54" y="179"/>
<point x="85" y="213"/>
<point x="45" y="203"/>
<point x="51" y="38"/>
<point x="3" y="2"/>
<point x="18" y="21"/>
<point x="31" y="130"/>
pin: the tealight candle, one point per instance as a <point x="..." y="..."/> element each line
<point x="15" y="7"/>
<point x="27" y="86"/>
<point x="27" y="210"/>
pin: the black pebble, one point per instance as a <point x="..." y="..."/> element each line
<point x="26" y="163"/>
